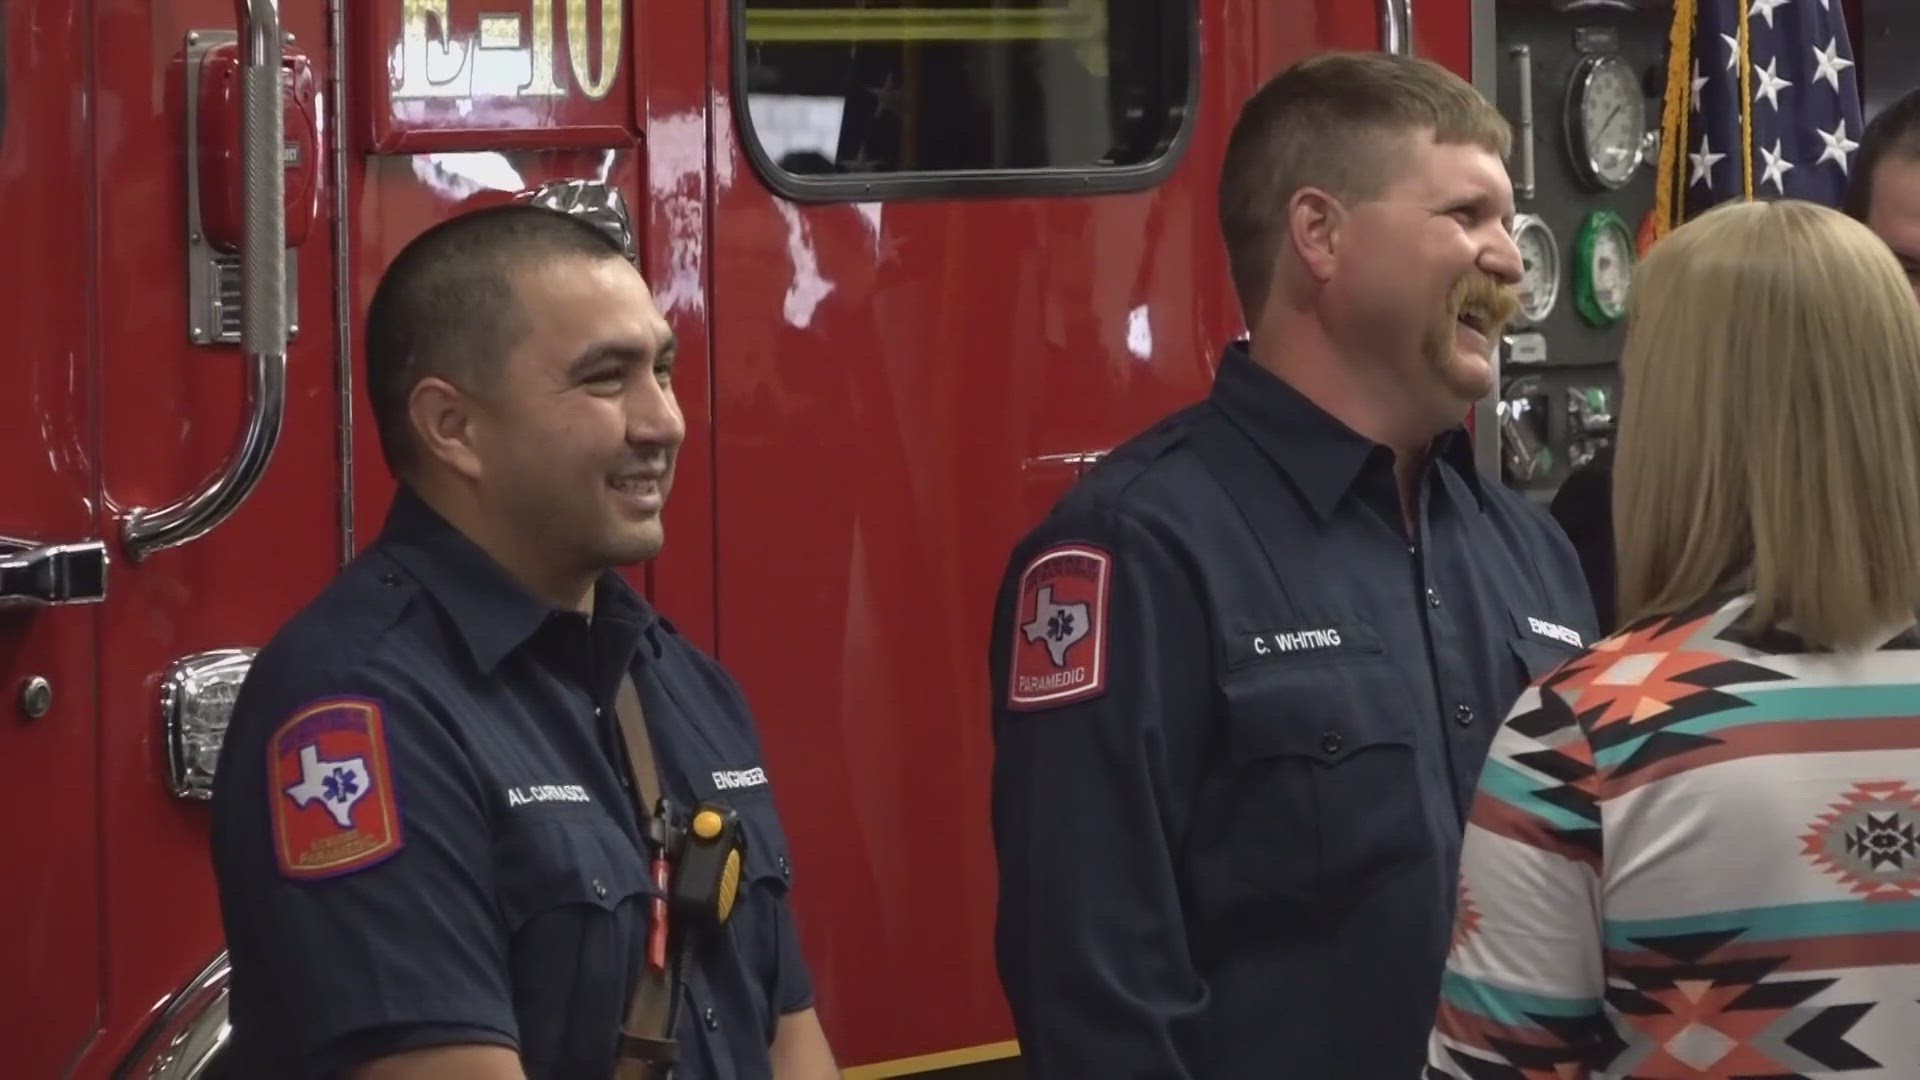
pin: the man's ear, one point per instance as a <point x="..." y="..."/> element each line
<point x="1315" y="224"/>
<point x="444" y="420"/>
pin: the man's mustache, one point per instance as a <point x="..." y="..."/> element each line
<point x="1492" y="303"/>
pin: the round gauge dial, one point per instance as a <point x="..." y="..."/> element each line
<point x="1603" y="268"/>
<point x="1606" y="121"/>
<point x="1540" y="268"/>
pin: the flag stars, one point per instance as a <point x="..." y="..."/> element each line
<point x="1838" y="145"/>
<point x="1777" y="167"/>
<point x="1828" y="63"/>
<point x="1699" y="81"/>
<point x="1770" y="83"/>
<point x="1733" y="50"/>
<point x="1764" y="9"/>
<point x="1704" y="160"/>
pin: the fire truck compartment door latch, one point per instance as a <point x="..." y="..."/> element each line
<point x="33" y="576"/>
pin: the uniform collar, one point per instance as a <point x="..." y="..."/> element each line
<point x="490" y="611"/>
<point x="1323" y="456"/>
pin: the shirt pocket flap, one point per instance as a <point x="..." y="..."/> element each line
<point x="1539" y="658"/>
<point x="1326" y="713"/>
<point x="545" y="864"/>
<point x="769" y="859"/>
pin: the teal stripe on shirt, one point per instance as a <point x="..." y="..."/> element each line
<point x="1521" y="791"/>
<point x="1831" y="918"/>
<point x="1787" y="704"/>
<point x="1513" y="1008"/>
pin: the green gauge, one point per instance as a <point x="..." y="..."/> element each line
<point x="1602" y="268"/>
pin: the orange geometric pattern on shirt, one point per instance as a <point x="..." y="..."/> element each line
<point x="1634" y="677"/>
<point x="1720" y="1008"/>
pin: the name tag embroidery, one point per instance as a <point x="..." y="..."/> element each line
<point x="736" y="779"/>
<point x="545" y="793"/>
<point x="1297" y="641"/>
<point x="1252" y="643"/>
<point x="1555" y="631"/>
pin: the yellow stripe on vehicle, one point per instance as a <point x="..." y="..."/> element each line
<point x="948" y="1059"/>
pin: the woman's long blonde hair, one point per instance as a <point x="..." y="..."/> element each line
<point x="1770" y="436"/>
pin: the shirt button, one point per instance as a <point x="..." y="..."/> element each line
<point x="390" y="580"/>
<point x="711" y="1018"/>
<point x="1463" y="714"/>
<point x="786" y="870"/>
<point x="600" y="889"/>
<point x="1330" y="742"/>
<point x="1433" y="598"/>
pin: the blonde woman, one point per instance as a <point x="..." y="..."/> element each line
<point x="1695" y="851"/>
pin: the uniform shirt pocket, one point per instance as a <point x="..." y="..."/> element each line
<point x="1326" y="786"/>
<point x="573" y="893"/>
<point x="1539" y="645"/>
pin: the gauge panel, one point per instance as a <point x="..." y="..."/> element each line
<point x="1606" y="121"/>
<point x="1603" y="268"/>
<point x="1540" y="268"/>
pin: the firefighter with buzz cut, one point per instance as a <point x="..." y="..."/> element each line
<point x="481" y="813"/>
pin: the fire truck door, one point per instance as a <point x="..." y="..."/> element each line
<point x="51" y="563"/>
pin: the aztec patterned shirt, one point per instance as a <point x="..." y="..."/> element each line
<point x="1695" y="852"/>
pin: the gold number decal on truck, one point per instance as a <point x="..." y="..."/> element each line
<point x="498" y="55"/>
<point x="578" y="52"/>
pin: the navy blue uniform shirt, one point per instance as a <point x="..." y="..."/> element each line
<point x="1239" y="714"/>
<point x="425" y="834"/>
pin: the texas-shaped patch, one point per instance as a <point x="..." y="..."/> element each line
<point x="332" y="790"/>
<point x="1060" y="628"/>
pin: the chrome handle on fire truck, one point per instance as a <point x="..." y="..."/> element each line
<point x="596" y="202"/>
<point x="263" y="281"/>
<point x="1396" y="27"/>
<point x="38" y="575"/>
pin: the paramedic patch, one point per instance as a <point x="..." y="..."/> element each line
<point x="331" y="789"/>
<point x="1060" y="628"/>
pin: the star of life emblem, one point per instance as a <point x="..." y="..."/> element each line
<point x="337" y="784"/>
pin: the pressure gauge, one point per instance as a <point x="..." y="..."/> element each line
<point x="1606" y="121"/>
<point x="1602" y="268"/>
<point x="1540" y="268"/>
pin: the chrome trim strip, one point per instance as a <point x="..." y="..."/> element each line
<point x="342" y="270"/>
<point x="263" y="299"/>
<point x="190" y="1034"/>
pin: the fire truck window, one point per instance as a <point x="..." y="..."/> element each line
<point x="981" y="88"/>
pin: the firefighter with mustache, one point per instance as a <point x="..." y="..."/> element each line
<point x="1245" y="673"/>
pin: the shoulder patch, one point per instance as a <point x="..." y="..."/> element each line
<point x="1060" y="628"/>
<point x="331" y="790"/>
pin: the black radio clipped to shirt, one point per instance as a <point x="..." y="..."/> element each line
<point x="706" y="875"/>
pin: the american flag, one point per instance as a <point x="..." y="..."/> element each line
<point x="1763" y="105"/>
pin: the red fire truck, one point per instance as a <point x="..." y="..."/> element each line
<point x="926" y="260"/>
